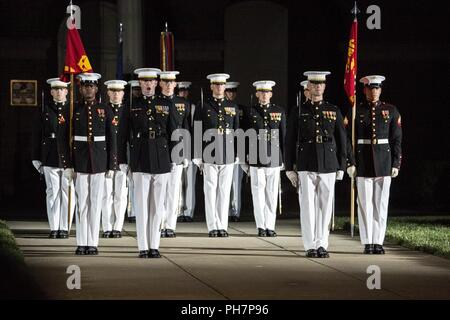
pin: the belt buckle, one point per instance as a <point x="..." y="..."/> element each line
<point x="220" y="131"/>
<point x="319" y="139"/>
<point x="374" y="141"/>
<point x="90" y="139"/>
<point x="152" y="134"/>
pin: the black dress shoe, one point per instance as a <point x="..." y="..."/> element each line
<point x="92" y="251"/>
<point x="322" y="253"/>
<point x="368" y="249"/>
<point x="261" y="232"/>
<point x="213" y="233"/>
<point x="271" y="233"/>
<point x="63" y="234"/>
<point x="131" y="219"/>
<point x="170" y="233"/>
<point x="378" y="249"/>
<point x="223" y="234"/>
<point x="143" y="254"/>
<point x="106" y="234"/>
<point x="163" y="233"/>
<point x="53" y="235"/>
<point x="311" y="253"/>
<point x="81" y="251"/>
<point x="188" y="219"/>
<point x="181" y="219"/>
<point x="116" y="234"/>
<point x="154" y="254"/>
<point x="234" y="219"/>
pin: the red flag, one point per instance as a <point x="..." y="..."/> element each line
<point x="76" y="58"/>
<point x="167" y="51"/>
<point x="351" y="67"/>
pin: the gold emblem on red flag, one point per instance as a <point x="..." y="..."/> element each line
<point x="84" y="64"/>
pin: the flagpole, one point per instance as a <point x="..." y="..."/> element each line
<point x="355" y="12"/>
<point x="70" y="151"/>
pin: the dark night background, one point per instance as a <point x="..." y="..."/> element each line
<point x="411" y="50"/>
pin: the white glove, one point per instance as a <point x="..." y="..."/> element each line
<point x="340" y="175"/>
<point x="123" y="168"/>
<point x="351" y="171"/>
<point x="394" y="172"/>
<point x="38" y="165"/>
<point x="69" y="173"/>
<point x="198" y="163"/>
<point x="245" y="168"/>
<point x="236" y="161"/>
<point x="293" y="177"/>
<point x="185" y="163"/>
<point x="109" y="174"/>
<point x="282" y="167"/>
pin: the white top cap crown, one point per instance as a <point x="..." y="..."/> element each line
<point x="147" y="73"/>
<point x="317" y="75"/>
<point x="115" y="85"/>
<point x="57" y="83"/>
<point x="218" y="78"/>
<point x="133" y="83"/>
<point x="265" y="85"/>
<point x="372" y="80"/>
<point x="232" y="85"/>
<point x="168" y="75"/>
<point x="89" y="77"/>
<point x="184" y="85"/>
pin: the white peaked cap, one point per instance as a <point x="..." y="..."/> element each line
<point x="57" y="83"/>
<point x="184" y="84"/>
<point x="133" y="83"/>
<point x="168" y="75"/>
<point x="375" y="81"/>
<point x="89" y="77"/>
<point x="218" y="78"/>
<point x="304" y="84"/>
<point x="232" y="85"/>
<point x="317" y="75"/>
<point x="147" y="73"/>
<point x="115" y="84"/>
<point x="265" y="85"/>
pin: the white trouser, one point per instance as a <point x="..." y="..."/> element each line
<point x="373" y="200"/>
<point x="89" y="189"/>
<point x="189" y="191"/>
<point x="149" y="195"/>
<point x="316" y="204"/>
<point x="236" y="187"/>
<point x="115" y="201"/>
<point x="57" y="199"/>
<point x="265" y="184"/>
<point x="173" y="193"/>
<point x="131" y="212"/>
<point x="217" y="187"/>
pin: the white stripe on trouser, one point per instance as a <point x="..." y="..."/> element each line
<point x="149" y="193"/>
<point x="189" y="192"/>
<point x="373" y="200"/>
<point x="217" y="187"/>
<point x="236" y="186"/>
<point x="89" y="189"/>
<point x="265" y="184"/>
<point x="114" y="202"/>
<point x="57" y="190"/>
<point x="172" y="203"/>
<point x="316" y="204"/>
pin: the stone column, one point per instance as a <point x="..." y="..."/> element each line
<point x="130" y="14"/>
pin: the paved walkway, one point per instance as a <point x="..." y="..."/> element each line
<point x="242" y="266"/>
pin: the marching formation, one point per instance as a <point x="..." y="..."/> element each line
<point x="141" y="158"/>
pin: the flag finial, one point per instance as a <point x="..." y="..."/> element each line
<point x="167" y="27"/>
<point x="355" y="10"/>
